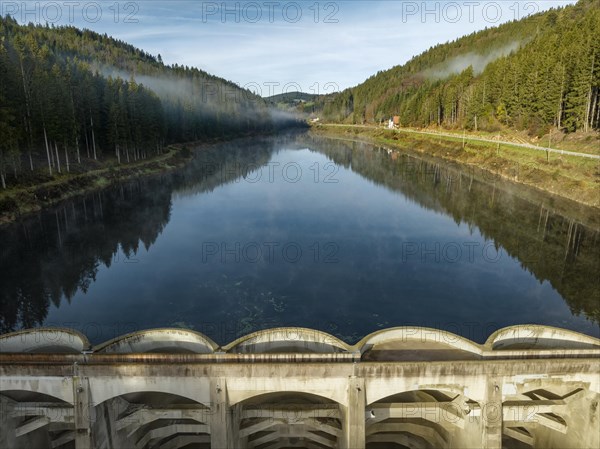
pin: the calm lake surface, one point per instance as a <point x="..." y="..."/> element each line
<point x="303" y="231"/>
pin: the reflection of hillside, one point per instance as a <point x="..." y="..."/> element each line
<point x="551" y="246"/>
<point x="223" y="164"/>
<point x="50" y="257"/>
<point x="57" y="253"/>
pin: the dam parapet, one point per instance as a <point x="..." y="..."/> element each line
<point x="526" y="386"/>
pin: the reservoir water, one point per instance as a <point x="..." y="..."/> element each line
<point x="305" y="231"/>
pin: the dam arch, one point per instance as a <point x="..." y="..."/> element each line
<point x="195" y="389"/>
<point x="287" y="340"/>
<point x="56" y="387"/>
<point x="44" y="340"/>
<point x="429" y="418"/>
<point x="151" y="419"/>
<point x="291" y="419"/>
<point x="164" y="340"/>
<point x="33" y="419"/>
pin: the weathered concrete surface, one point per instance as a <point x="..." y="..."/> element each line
<point x="56" y="340"/>
<point x="511" y="397"/>
<point x="169" y="341"/>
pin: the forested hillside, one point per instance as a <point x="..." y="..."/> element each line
<point x="533" y="74"/>
<point x="66" y="94"/>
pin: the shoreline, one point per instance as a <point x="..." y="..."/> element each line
<point x="578" y="182"/>
<point x="17" y="204"/>
<point x="26" y="201"/>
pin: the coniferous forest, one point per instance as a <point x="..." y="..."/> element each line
<point x="535" y="74"/>
<point x="68" y="94"/>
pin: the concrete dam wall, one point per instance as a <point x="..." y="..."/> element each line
<point x="408" y="387"/>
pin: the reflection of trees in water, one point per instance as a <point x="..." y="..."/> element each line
<point x="48" y="258"/>
<point x="55" y="254"/>
<point x="58" y="253"/>
<point x="551" y="246"/>
<point x="224" y="164"/>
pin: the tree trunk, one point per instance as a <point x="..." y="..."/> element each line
<point x="588" y="105"/>
<point x="2" y="174"/>
<point x="483" y="96"/>
<point x="77" y="147"/>
<point x="27" y="113"/>
<point x="47" y="152"/>
<point x="57" y="157"/>
<point x="561" y="101"/>
<point x="593" y="110"/>
<point x="588" y="112"/>
<point x="118" y="153"/>
<point x="58" y="230"/>
<point x="87" y="143"/>
<point x="52" y="157"/>
<point x="597" y="120"/>
<point x="67" y="159"/>
<point x="93" y="138"/>
<point x="100" y="205"/>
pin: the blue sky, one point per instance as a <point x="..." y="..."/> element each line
<point x="272" y="46"/>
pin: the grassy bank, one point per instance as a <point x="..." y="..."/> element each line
<point x="574" y="178"/>
<point x="578" y="142"/>
<point x="32" y="196"/>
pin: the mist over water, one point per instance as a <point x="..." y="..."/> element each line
<point x="302" y="231"/>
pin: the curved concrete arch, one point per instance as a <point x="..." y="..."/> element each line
<point x="195" y="389"/>
<point x="437" y="416"/>
<point x="44" y="340"/>
<point x="422" y="395"/>
<point x="459" y="393"/>
<point x="159" y="341"/>
<point x="435" y="337"/>
<point x="289" y="395"/>
<point x="273" y="416"/>
<point x="286" y="340"/>
<point x="449" y="391"/>
<point x="58" y="388"/>
<point x="334" y="390"/>
<point x="535" y="336"/>
<point x="29" y="417"/>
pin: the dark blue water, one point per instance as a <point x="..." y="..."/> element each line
<point x="302" y="231"/>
